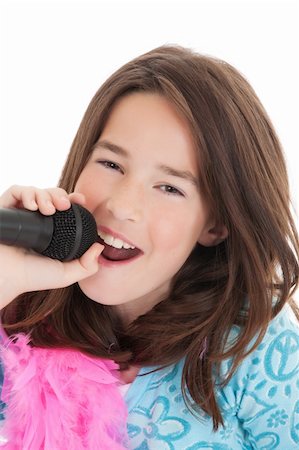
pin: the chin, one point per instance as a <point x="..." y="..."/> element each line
<point x="93" y="294"/>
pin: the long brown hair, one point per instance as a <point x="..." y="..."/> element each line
<point x="243" y="176"/>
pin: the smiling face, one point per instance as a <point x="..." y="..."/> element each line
<point x="140" y="185"/>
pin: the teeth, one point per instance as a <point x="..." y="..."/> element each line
<point x="114" y="242"/>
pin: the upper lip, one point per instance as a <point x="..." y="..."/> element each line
<point x="117" y="236"/>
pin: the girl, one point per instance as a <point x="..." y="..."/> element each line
<point x="189" y="289"/>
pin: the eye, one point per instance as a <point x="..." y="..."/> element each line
<point x="170" y="190"/>
<point x="110" y="165"/>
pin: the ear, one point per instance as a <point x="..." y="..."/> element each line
<point x="212" y="236"/>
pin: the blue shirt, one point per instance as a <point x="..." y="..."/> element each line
<point x="260" y="404"/>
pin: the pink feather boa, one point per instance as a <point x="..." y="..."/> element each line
<point x="60" y="399"/>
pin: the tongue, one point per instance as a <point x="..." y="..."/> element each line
<point x="119" y="254"/>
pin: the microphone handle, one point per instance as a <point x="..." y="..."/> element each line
<point x="28" y="229"/>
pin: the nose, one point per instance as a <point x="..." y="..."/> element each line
<point x="126" y="202"/>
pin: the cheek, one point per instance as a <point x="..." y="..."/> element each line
<point x="174" y="233"/>
<point x="83" y="185"/>
<point x="86" y="186"/>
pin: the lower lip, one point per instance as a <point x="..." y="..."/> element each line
<point x="107" y="263"/>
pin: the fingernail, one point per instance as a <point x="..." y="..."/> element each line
<point x="50" y="204"/>
<point x="65" y="200"/>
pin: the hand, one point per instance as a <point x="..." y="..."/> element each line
<point x="23" y="270"/>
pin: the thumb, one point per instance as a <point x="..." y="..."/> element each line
<point x="83" y="267"/>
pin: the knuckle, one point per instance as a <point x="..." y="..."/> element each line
<point x="57" y="191"/>
<point x="14" y="187"/>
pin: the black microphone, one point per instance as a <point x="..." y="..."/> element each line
<point x="65" y="235"/>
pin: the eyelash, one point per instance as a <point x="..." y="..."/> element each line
<point x="170" y="190"/>
<point x="109" y="164"/>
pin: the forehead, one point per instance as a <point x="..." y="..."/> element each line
<point x="151" y="123"/>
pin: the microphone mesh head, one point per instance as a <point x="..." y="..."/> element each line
<point x="75" y="230"/>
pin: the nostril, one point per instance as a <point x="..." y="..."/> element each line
<point x="124" y="209"/>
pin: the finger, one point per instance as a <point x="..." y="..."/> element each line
<point x="76" y="197"/>
<point x="59" y="198"/>
<point x="46" y="200"/>
<point x="28" y="197"/>
<point x="83" y="267"/>
<point x="40" y="273"/>
<point x="17" y="195"/>
<point x="33" y="198"/>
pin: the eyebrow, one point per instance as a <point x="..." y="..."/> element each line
<point x="184" y="174"/>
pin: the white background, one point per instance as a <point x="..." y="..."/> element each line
<point x="55" y="54"/>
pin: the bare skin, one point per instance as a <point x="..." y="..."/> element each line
<point x="22" y="270"/>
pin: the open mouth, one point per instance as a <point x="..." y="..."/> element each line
<point x="118" y="254"/>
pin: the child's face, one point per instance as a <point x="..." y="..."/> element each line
<point x="133" y="195"/>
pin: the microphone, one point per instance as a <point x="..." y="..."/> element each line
<point x="65" y="235"/>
